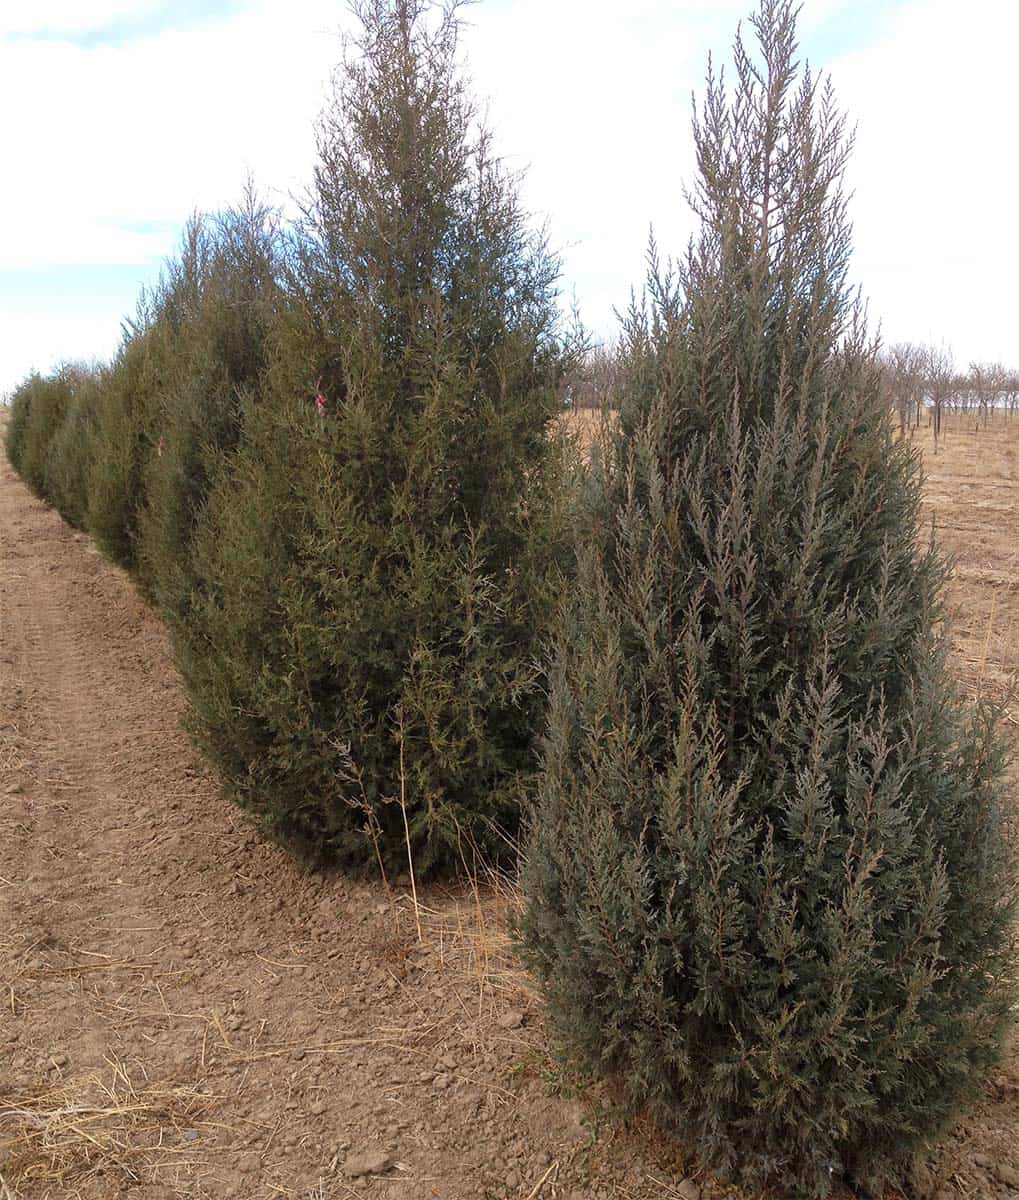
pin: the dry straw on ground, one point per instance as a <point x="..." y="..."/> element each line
<point x="99" y="1125"/>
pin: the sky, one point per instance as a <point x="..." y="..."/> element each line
<point x="121" y="117"/>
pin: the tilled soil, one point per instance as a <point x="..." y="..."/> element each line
<point x="186" y="1012"/>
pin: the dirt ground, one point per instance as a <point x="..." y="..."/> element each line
<point x="186" y="1012"/>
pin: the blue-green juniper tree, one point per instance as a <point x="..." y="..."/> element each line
<point x="768" y="884"/>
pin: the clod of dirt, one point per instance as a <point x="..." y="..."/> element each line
<point x="371" y="1162"/>
<point x="1006" y="1174"/>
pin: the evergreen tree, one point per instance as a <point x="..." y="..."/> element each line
<point x="214" y="309"/>
<point x="38" y="408"/>
<point x="125" y="437"/>
<point x="767" y="882"/>
<point x="169" y="407"/>
<point x="375" y="569"/>
<point x="68" y="471"/>
<point x="16" y="430"/>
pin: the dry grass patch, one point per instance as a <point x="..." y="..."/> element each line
<point x="98" y="1129"/>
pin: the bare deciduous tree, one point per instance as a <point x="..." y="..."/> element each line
<point x="594" y="381"/>
<point x="989" y="382"/>
<point x="904" y="368"/>
<point x="939" y="387"/>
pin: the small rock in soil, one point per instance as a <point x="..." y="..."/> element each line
<point x="371" y="1162"/>
<point x="248" y="1164"/>
<point x="1007" y="1174"/>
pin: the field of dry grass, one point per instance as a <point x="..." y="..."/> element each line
<point x="973" y="495"/>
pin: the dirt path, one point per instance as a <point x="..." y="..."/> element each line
<point x="184" y="1012"/>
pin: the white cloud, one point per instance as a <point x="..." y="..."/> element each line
<point x="100" y="142"/>
<point x="69" y="16"/>
<point x="935" y="176"/>
<point x="600" y="106"/>
<point x="99" y="138"/>
<point x="45" y="337"/>
<point x="108" y="147"/>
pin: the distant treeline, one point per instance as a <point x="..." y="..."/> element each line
<point x="921" y="382"/>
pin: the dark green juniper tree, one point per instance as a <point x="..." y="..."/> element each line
<point x="376" y="568"/>
<point x="39" y="407"/>
<point x="168" y="407"/>
<point x="768" y="885"/>
<point x="50" y="435"/>
<point x="213" y="311"/>
<point x="124" y="436"/>
<point x="68" y="473"/>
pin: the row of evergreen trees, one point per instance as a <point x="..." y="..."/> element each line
<point x="328" y="453"/>
<point x="768" y="884"/>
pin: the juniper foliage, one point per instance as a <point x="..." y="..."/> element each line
<point x="68" y="471"/>
<point x="767" y="883"/>
<point x="213" y="312"/>
<point x="124" y="439"/>
<point x="38" y="408"/>
<point x="375" y="569"/>
<point x="16" y="435"/>
<point x="16" y="428"/>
